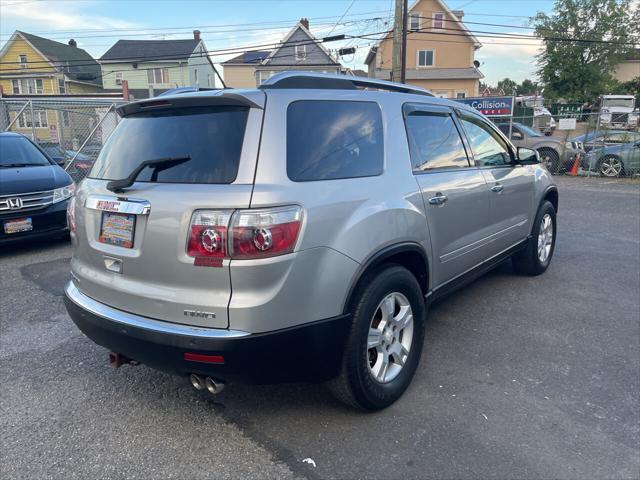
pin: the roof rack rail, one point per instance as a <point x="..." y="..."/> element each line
<point x="300" y="79"/>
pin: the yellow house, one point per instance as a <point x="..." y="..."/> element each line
<point x="440" y="52"/>
<point x="629" y="68"/>
<point x="33" y="66"/>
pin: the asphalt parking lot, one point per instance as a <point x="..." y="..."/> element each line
<point x="520" y="378"/>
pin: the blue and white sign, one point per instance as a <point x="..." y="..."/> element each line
<point x="490" y="106"/>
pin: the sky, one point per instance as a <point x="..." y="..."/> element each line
<point x="98" y="24"/>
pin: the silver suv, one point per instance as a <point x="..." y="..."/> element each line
<point x="297" y="232"/>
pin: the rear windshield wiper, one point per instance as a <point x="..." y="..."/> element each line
<point x="158" y="165"/>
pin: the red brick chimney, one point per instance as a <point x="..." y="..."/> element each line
<point x="305" y="22"/>
<point x="196" y="34"/>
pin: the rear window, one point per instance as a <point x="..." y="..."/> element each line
<point x="328" y="140"/>
<point x="211" y="136"/>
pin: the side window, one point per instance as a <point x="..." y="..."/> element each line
<point x="488" y="148"/>
<point x="434" y="141"/>
<point x="328" y="140"/>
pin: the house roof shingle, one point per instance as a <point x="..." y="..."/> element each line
<point x="253" y="57"/>
<point x="77" y="63"/>
<point x="130" y="50"/>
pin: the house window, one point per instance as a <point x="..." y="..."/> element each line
<point x="119" y="78"/>
<point x="415" y="22"/>
<point x="24" y="121"/>
<point x="264" y="75"/>
<point x="29" y="86"/>
<point x="438" y="20"/>
<point x="195" y="76"/>
<point x="62" y="88"/>
<point x="208" y="79"/>
<point x="462" y="94"/>
<point x="426" y="58"/>
<point x="23" y="62"/>
<point x="158" y="75"/>
<point x="300" y="52"/>
<point x="66" y="121"/>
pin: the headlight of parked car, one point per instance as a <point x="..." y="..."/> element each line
<point x="63" y="193"/>
<point x="569" y="145"/>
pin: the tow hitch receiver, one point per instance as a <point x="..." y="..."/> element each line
<point x="116" y="360"/>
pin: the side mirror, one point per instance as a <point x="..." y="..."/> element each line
<point x="526" y="156"/>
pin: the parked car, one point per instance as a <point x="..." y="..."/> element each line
<point x="604" y="138"/>
<point x="543" y="121"/>
<point x="34" y="191"/>
<point x="297" y="231"/>
<point x="55" y="152"/>
<point x="615" y="160"/>
<point x="618" y="111"/>
<point x="556" y="154"/>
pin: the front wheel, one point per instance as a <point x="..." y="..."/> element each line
<point x="384" y="346"/>
<point x="536" y="257"/>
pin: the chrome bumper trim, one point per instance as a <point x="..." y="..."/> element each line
<point x="81" y="300"/>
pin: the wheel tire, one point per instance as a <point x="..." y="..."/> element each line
<point x="529" y="261"/>
<point x="356" y="385"/>
<point x="550" y="159"/>
<point x="610" y="166"/>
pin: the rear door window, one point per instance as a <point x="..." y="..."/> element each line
<point x="328" y="140"/>
<point x="434" y="141"/>
<point x="211" y="136"/>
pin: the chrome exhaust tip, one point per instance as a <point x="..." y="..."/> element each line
<point x="196" y="381"/>
<point x="213" y="386"/>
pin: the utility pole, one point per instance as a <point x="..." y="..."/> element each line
<point x="396" y="60"/>
<point x="403" y="65"/>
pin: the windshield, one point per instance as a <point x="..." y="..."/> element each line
<point x="211" y="136"/>
<point x="618" y="102"/>
<point x="20" y="152"/>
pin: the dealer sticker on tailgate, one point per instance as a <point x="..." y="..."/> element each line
<point x="117" y="229"/>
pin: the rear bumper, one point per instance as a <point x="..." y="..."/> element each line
<point x="309" y="352"/>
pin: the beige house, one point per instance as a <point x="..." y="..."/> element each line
<point x="299" y="50"/>
<point x="629" y="67"/>
<point x="440" y="52"/>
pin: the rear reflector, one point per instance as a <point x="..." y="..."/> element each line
<point x="199" y="357"/>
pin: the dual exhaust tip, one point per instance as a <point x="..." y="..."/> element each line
<point x="213" y="386"/>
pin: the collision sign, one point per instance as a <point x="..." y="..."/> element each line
<point x="490" y="106"/>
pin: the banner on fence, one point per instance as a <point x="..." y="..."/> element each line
<point x="490" y="106"/>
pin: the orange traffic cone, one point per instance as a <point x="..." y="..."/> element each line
<point x="574" y="168"/>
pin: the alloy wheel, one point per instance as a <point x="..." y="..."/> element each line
<point x="390" y="337"/>
<point x="545" y="238"/>
<point x="611" y="167"/>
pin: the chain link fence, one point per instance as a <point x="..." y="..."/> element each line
<point x="72" y="131"/>
<point x="578" y="143"/>
<point x="570" y="141"/>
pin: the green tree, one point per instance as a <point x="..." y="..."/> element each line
<point x="528" y="87"/>
<point x="509" y="86"/>
<point x="580" y="71"/>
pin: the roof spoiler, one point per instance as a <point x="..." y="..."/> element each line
<point x="219" y="98"/>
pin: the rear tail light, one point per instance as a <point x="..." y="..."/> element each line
<point x="246" y="234"/>
<point x="264" y="232"/>
<point x="208" y="233"/>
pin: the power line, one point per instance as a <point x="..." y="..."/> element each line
<point x="236" y="50"/>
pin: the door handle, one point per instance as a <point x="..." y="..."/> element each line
<point x="497" y="188"/>
<point x="438" y="199"/>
